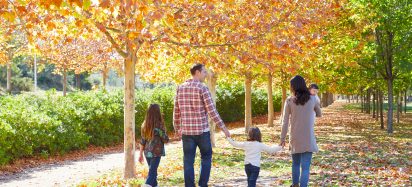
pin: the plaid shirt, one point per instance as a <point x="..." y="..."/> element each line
<point x="193" y="103"/>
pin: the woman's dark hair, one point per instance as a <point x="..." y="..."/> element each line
<point x="196" y="67"/>
<point x="254" y="134"/>
<point x="153" y="119"/>
<point x="313" y="86"/>
<point x="299" y="89"/>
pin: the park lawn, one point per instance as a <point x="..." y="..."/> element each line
<point x="353" y="152"/>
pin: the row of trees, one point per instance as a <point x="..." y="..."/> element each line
<point x="335" y="44"/>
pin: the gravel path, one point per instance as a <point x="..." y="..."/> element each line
<point x="68" y="173"/>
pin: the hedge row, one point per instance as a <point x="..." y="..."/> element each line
<point x="49" y="124"/>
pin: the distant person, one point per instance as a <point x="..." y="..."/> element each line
<point x="314" y="89"/>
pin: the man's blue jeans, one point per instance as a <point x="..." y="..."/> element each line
<point x="190" y="144"/>
<point x="301" y="160"/>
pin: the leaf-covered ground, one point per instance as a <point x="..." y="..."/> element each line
<point x="354" y="151"/>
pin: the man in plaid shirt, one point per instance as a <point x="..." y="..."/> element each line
<point x="193" y="104"/>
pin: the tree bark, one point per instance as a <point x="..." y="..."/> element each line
<point x="374" y="104"/>
<point x="129" y="115"/>
<point x="405" y="101"/>
<point x="8" y="87"/>
<point x="64" y="82"/>
<point x="390" y="106"/>
<point x="381" y="109"/>
<point x="271" y="115"/>
<point x="248" y="101"/>
<point x="211" y="84"/>
<point x="399" y="105"/>
<point x="362" y="103"/>
<point x="104" y="77"/>
<point x="368" y="101"/>
<point x="78" y="83"/>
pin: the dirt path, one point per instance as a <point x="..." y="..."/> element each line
<point x="69" y="172"/>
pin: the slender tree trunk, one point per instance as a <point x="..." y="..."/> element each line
<point x="211" y="84"/>
<point x="282" y="105"/>
<point x="362" y="103"/>
<point x="377" y="104"/>
<point x="374" y="104"/>
<point x="368" y="101"/>
<point x="381" y="109"/>
<point x="129" y="115"/>
<point x="406" y="101"/>
<point x="390" y="106"/>
<point x="64" y="82"/>
<point x="104" y="77"/>
<point x="271" y="115"/>
<point x="399" y="105"/>
<point x="78" y="84"/>
<point x="283" y="98"/>
<point x="248" y="101"/>
<point x="8" y="88"/>
<point x="35" y="72"/>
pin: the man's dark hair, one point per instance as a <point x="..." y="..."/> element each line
<point x="196" y="67"/>
<point x="313" y="86"/>
<point x="254" y="134"/>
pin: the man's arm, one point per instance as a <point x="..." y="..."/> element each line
<point x="211" y="110"/>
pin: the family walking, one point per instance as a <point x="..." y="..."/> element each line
<point x="193" y="105"/>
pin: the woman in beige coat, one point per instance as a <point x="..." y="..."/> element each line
<point x="299" y="113"/>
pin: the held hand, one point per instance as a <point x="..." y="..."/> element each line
<point x="141" y="159"/>
<point x="227" y="133"/>
<point x="282" y="143"/>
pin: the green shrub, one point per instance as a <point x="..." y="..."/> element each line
<point x="50" y="124"/>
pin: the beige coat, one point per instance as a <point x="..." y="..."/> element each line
<point x="302" y="121"/>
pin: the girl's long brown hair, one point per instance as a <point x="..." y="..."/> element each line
<point x="153" y="119"/>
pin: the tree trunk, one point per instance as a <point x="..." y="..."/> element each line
<point x="78" y="84"/>
<point x="8" y="88"/>
<point x="271" y="115"/>
<point x="381" y="109"/>
<point x="368" y="101"/>
<point x="374" y="104"/>
<point x="64" y="82"/>
<point x="330" y="98"/>
<point x="248" y="101"/>
<point x="390" y="106"/>
<point x="405" y="101"/>
<point x="129" y="116"/>
<point x="211" y="84"/>
<point x="362" y="103"/>
<point x="282" y="104"/>
<point x="35" y="72"/>
<point x="399" y="105"/>
<point x="104" y="77"/>
<point x="324" y="99"/>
